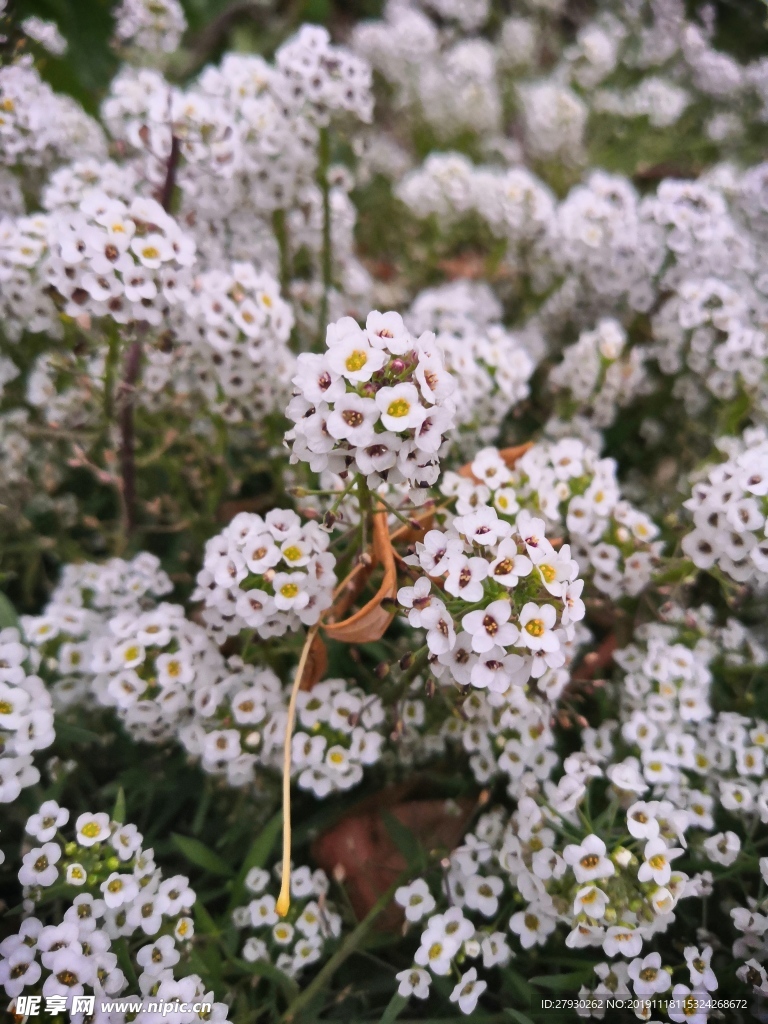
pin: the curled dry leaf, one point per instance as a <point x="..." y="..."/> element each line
<point x="372" y="620"/>
<point x="316" y="663"/>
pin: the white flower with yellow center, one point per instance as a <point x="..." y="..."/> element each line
<point x="537" y="623"/>
<point x="400" y="407"/>
<point x="353" y="358"/>
<point x="290" y="590"/>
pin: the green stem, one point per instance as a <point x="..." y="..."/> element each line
<point x="347" y="948"/>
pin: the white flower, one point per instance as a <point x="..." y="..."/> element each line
<point x="591" y="901"/>
<point x="39" y="865"/>
<point x="537" y="623"/>
<point x="648" y="976"/>
<point x="413" y="982"/>
<point x="400" y="407"/>
<point x="658" y="862"/>
<point x="588" y="860"/>
<point x="533" y="926"/>
<point x="44" y="824"/>
<point x="468" y="991"/>
<point x="92" y="828"/>
<point x="490" y="627"/>
<point x="723" y="848"/>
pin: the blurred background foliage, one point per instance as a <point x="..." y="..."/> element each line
<point x="260" y="25"/>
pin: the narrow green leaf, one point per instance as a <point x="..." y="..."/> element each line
<point x="518" y="1015"/>
<point x="199" y="854"/>
<point x="257" y="856"/>
<point x="396" y="1006"/>
<point x="118" y="811"/>
<point x="8" y="616"/>
<point x="71" y="733"/>
<point x="264" y="969"/>
<point x="562" y="982"/>
<point x="203" y="920"/>
<point x="404" y="840"/>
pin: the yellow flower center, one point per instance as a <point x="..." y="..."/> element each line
<point x="658" y="861"/>
<point x="6" y="707"/>
<point x="289" y="590"/>
<point x="399" y="408"/>
<point x="535" y="627"/>
<point x="150" y="252"/>
<point x="292" y="554"/>
<point x="547" y="573"/>
<point x="356" y="361"/>
<point x="91" y="830"/>
<point x="131" y="653"/>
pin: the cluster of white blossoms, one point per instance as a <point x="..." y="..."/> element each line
<point x="40" y="128"/>
<point x="269" y="574"/>
<point x="239" y="309"/>
<point x="493" y="364"/>
<point x="708" y="329"/>
<point x="378" y="402"/>
<point x="189" y="361"/>
<point x="122" y="896"/>
<point x="598" y="376"/>
<point x="510" y="599"/>
<point x="324" y="77"/>
<point x="86" y="597"/>
<point x="148" y="667"/>
<point x="338" y="733"/>
<point x="307" y="934"/>
<point x="24" y="302"/>
<point x="567" y="484"/>
<point x="682" y="751"/>
<point x="729" y="511"/>
<point x="127" y="262"/>
<point x="155" y="26"/>
<point x="26" y="715"/>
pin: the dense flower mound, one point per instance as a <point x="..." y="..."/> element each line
<point x="270" y="574"/>
<point x="384" y="512"/>
<point x="378" y="399"/>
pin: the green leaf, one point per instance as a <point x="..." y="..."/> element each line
<point x="266" y="970"/>
<point x="404" y="840"/>
<point x="71" y="733"/>
<point x="257" y="856"/>
<point x="8" y="616"/>
<point x="562" y="982"/>
<point x="199" y="854"/>
<point x="396" y="1006"/>
<point x="518" y="1015"/>
<point x="203" y="920"/>
<point x="118" y="811"/>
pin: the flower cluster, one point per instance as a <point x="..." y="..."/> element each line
<point x="292" y="943"/>
<point x="150" y="25"/>
<point x="127" y="262"/>
<point x="729" y="511"/>
<point x="377" y="401"/>
<point x="569" y="486"/>
<point x="269" y="574"/>
<point x="148" y="667"/>
<point x="515" y="597"/>
<point x="115" y="892"/>
<point x="26" y="717"/>
<point x="599" y="376"/>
